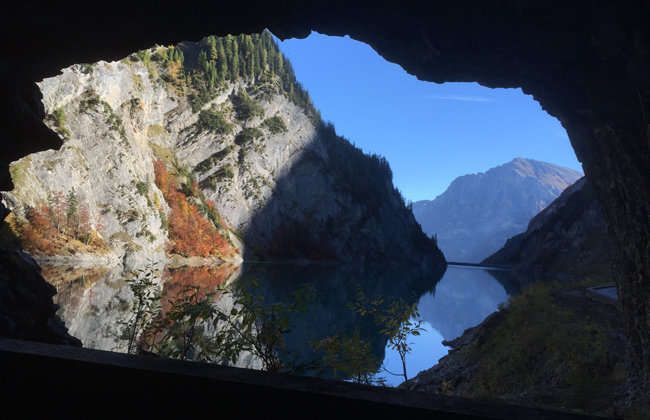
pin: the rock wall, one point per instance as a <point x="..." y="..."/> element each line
<point x="102" y="164"/>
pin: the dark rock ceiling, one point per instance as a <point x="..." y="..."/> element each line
<point x="585" y="61"/>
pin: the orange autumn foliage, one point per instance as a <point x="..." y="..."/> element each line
<point x="182" y="282"/>
<point x="190" y="233"/>
<point x="205" y="279"/>
<point x="48" y="230"/>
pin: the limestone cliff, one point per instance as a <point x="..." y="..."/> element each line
<point x="478" y="212"/>
<point x="280" y="178"/>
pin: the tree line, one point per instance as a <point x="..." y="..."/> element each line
<point x="207" y="65"/>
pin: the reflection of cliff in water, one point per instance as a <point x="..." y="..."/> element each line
<point x="463" y="298"/>
<point x="97" y="302"/>
<point x="506" y="279"/>
<point x="338" y="284"/>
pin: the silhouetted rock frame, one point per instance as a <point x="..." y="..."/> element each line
<point x="585" y="61"/>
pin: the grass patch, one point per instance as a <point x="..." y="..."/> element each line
<point x="164" y="153"/>
<point x="155" y="130"/>
<point x="127" y="239"/>
<point x="19" y="170"/>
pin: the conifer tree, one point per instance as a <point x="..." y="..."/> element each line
<point x="279" y="61"/>
<point x="180" y="56"/>
<point x="232" y="57"/>
<point x="242" y="64"/>
<point x="202" y="61"/>
<point x="222" y="64"/>
<point x="234" y="63"/>
<point x="211" y="42"/>
<point x="71" y="202"/>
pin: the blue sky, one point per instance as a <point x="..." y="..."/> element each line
<point x="429" y="133"/>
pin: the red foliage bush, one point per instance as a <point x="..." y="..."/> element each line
<point x="190" y="233"/>
<point x="47" y="228"/>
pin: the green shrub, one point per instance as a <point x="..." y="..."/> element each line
<point x="225" y="172"/>
<point x="247" y="136"/>
<point x="246" y="108"/>
<point x="242" y="156"/>
<point x="90" y="101"/>
<point x="212" y="121"/>
<point x="275" y="124"/>
<point x="58" y="117"/>
<point x="88" y="68"/>
<point x="143" y="55"/>
<point x="143" y="189"/>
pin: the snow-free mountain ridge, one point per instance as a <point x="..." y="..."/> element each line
<point x="475" y="216"/>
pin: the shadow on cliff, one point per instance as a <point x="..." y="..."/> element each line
<point x="338" y="204"/>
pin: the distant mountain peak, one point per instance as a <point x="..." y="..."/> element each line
<point x="478" y="212"/>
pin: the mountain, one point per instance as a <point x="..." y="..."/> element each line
<point x="204" y="149"/>
<point x="567" y="237"/>
<point x="477" y="213"/>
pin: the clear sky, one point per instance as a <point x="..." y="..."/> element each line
<point x="429" y="133"/>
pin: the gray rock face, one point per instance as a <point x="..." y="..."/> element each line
<point x="261" y="186"/>
<point x="569" y="237"/>
<point x="478" y="212"/>
<point x="101" y="164"/>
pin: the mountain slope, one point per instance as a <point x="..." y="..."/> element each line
<point x="477" y="213"/>
<point x="567" y="237"/>
<point x="231" y="126"/>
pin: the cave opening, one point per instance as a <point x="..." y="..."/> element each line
<point x="586" y="63"/>
<point x="399" y="118"/>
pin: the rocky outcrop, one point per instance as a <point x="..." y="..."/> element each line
<point x="477" y="213"/>
<point x="567" y="239"/>
<point x="27" y="311"/>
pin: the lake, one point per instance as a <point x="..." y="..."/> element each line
<point x="96" y="302"/>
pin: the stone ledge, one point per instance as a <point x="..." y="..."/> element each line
<point x="38" y="380"/>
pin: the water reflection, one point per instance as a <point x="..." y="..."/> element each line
<point x="339" y="285"/>
<point x="96" y="302"/>
<point x="462" y="299"/>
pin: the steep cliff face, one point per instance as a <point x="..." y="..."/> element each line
<point x="567" y="237"/>
<point x="104" y="156"/>
<point x="278" y="177"/>
<point x="478" y="212"/>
